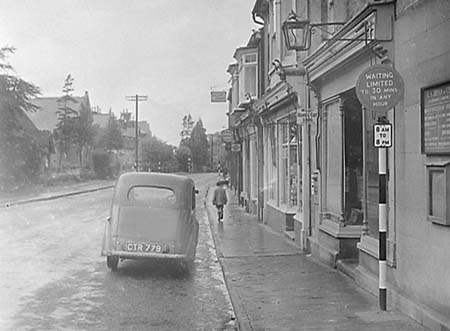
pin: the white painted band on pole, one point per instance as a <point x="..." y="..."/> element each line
<point x="382" y="275"/>
<point x="382" y="161"/>
<point x="382" y="219"/>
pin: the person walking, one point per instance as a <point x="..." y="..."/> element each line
<point x="220" y="199"/>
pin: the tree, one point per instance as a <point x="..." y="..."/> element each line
<point x="199" y="146"/>
<point x="111" y="138"/>
<point x="83" y="131"/>
<point x="65" y="132"/>
<point x="183" y="154"/>
<point x="20" y="147"/>
<point x="188" y="124"/>
<point x="156" y="154"/>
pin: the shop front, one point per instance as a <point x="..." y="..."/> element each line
<point x="346" y="199"/>
<point x="282" y="150"/>
<point x="411" y="37"/>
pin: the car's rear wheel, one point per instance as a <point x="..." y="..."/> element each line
<point x="186" y="265"/>
<point x="112" y="262"/>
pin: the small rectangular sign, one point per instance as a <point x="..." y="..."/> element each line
<point x="218" y="96"/>
<point x="382" y="135"/>
<point x="305" y="116"/>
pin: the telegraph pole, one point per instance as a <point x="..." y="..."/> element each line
<point x="137" y="98"/>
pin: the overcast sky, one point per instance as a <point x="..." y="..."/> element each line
<point x="174" y="51"/>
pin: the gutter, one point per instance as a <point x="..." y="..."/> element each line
<point x="255" y="20"/>
<point x="54" y="196"/>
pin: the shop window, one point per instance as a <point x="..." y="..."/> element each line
<point x="272" y="170"/>
<point x="353" y="156"/>
<point x="253" y="169"/>
<point x="284" y="164"/>
<point x="372" y="176"/>
<point x="333" y="158"/>
<point x="289" y="181"/>
<point x="293" y="162"/>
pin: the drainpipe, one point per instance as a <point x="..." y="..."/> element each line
<point x="308" y="160"/>
<point x="309" y="216"/>
<point x="306" y="169"/>
<point x="341" y="112"/>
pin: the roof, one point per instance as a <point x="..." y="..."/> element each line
<point x="252" y="44"/>
<point x="27" y="126"/>
<point x="130" y="131"/>
<point x="232" y="67"/>
<point x="101" y="120"/>
<point x="261" y="7"/>
<point x="45" y="118"/>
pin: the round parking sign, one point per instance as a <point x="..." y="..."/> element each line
<point x="379" y="87"/>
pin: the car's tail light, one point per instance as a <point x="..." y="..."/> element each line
<point x="166" y="249"/>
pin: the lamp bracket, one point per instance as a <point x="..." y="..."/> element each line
<point x="320" y="26"/>
<point x="368" y="34"/>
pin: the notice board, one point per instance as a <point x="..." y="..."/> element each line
<point x="435" y="116"/>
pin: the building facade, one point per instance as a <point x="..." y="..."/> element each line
<point x="308" y="157"/>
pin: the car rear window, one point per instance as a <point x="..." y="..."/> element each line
<point x="153" y="196"/>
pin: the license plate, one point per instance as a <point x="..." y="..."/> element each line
<point x="143" y="248"/>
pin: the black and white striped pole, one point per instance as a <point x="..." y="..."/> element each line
<point x="382" y="226"/>
<point x="382" y="140"/>
<point x="380" y="88"/>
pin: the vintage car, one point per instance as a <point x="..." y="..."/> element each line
<point x="152" y="216"/>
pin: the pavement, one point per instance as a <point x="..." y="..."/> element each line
<point x="273" y="285"/>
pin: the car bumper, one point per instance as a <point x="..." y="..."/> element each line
<point x="138" y="255"/>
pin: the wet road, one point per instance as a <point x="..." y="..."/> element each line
<point x="53" y="277"/>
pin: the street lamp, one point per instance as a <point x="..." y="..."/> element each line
<point x="297" y="32"/>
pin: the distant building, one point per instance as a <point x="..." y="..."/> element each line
<point x="128" y="129"/>
<point x="101" y="120"/>
<point x="45" y="118"/>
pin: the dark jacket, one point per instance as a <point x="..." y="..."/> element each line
<point x="220" y="196"/>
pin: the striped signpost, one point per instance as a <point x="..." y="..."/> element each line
<point x="382" y="139"/>
<point x="382" y="224"/>
<point x="380" y="88"/>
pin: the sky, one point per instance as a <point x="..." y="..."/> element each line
<point x="173" y="51"/>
